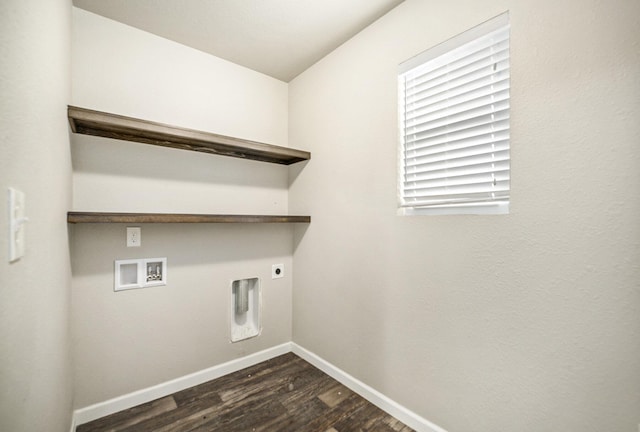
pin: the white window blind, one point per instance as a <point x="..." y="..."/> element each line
<point x="454" y="124"/>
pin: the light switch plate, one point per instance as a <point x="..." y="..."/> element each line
<point x="17" y="220"/>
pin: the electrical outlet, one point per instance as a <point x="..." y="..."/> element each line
<point x="134" y="237"/>
<point x="277" y="271"/>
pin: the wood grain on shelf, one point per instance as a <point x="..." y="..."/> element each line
<point x="102" y="217"/>
<point x="102" y="124"/>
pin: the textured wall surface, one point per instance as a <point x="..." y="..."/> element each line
<point x="523" y="322"/>
<point x="131" y="340"/>
<point x="35" y="343"/>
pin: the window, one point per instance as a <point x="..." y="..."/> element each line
<point x="454" y="125"/>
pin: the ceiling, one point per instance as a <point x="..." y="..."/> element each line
<point x="280" y="38"/>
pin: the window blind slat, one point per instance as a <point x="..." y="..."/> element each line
<point x="457" y="106"/>
<point x="471" y="127"/>
<point x="477" y="152"/>
<point x="470" y="179"/>
<point x="500" y="139"/>
<point x="481" y="126"/>
<point x="494" y="62"/>
<point x="486" y="158"/>
<point x="432" y="69"/>
<point x="487" y="87"/>
<point x="484" y="129"/>
<point x="492" y="93"/>
<point x="482" y="168"/>
<point x="459" y="117"/>
<point x="423" y="147"/>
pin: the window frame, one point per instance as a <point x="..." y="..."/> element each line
<point x="478" y="207"/>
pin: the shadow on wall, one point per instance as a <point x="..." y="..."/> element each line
<point x="107" y="156"/>
<point x="95" y="246"/>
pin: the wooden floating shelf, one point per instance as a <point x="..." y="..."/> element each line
<point x="97" y="123"/>
<point x="99" y="217"/>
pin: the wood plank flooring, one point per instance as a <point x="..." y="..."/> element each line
<point x="282" y="394"/>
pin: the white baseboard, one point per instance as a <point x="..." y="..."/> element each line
<point x="93" y="412"/>
<point x="408" y="417"/>
<point x="403" y="414"/>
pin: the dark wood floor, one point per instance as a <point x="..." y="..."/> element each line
<point x="282" y="394"/>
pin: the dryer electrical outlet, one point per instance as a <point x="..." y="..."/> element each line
<point x="277" y="271"/>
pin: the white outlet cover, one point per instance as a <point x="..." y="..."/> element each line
<point x="277" y="271"/>
<point x="134" y="237"/>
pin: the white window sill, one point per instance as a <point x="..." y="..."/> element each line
<point x="484" y="209"/>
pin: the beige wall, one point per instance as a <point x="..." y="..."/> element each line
<point x="35" y="354"/>
<point x="524" y="322"/>
<point x="131" y="340"/>
<point x="119" y="69"/>
<point x="135" y="339"/>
